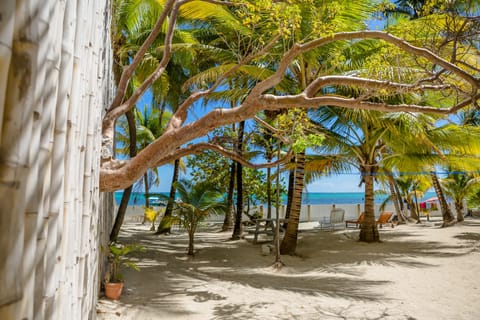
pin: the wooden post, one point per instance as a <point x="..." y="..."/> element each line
<point x="308" y="212"/>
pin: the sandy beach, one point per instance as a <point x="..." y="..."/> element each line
<point x="417" y="272"/>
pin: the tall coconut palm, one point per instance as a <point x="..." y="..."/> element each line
<point x="303" y="71"/>
<point x="369" y="141"/>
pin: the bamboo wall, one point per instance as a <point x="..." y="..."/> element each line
<point x="55" y="80"/>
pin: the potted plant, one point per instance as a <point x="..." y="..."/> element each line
<point x="117" y="258"/>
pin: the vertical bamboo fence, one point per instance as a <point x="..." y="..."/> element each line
<point x="55" y="80"/>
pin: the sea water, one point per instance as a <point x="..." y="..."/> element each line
<point x="313" y="198"/>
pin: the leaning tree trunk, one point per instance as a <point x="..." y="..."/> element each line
<point x="165" y="225"/>
<point x="396" y="199"/>
<point x="413" y="210"/>
<point x="368" y="229"/>
<point x="55" y="80"/>
<point x="122" y="208"/>
<point x="237" y="228"/>
<point x="447" y="214"/>
<point x="228" y="221"/>
<point x="289" y="242"/>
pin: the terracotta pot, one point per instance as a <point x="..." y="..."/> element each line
<point x="113" y="290"/>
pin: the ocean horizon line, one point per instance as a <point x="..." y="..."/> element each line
<point x="312" y="198"/>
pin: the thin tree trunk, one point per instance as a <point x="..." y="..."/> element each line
<point x="228" y="221"/>
<point x="415" y="203"/>
<point x="147" y="190"/>
<point x="278" y="262"/>
<point x="237" y="228"/>
<point x="191" y="235"/>
<point x="290" y="192"/>
<point x="230" y="211"/>
<point x="447" y="214"/>
<point x="459" y="208"/>
<point x="269" y="195"/>
<point x="289" y="243"/>
<point x="368" y="229"/>
<point x="122" y="208"/>
<point x="395" y="199"/>
<point x="165" y="224"/>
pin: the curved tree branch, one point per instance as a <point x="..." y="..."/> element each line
<point x="364" y="83"/>
<point x="181" y="114"/>
<point x="115" y="175"/>
<point x="201" y="147"/>
<point x="298" y="49"/>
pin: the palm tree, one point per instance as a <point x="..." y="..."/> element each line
<point x="148" y="129"/>
<point x="371" y="141"/>
<point x="411" y="189"/>
<point x="195" y="203"/>
<point x="459" y="186"/>
<point x="445" y="145"/>
<point x="303" y="71"/>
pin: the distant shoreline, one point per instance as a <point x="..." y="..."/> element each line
<point x="312" y="198"/>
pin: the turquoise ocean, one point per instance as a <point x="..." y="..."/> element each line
<point x="138" y="198"/>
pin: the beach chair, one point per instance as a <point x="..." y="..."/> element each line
<point x="336" y="218"/>
<point x="385" y="218"/>
<point x="356" y="222"/>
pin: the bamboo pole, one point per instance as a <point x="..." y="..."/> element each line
<point x="59" y="151"/>
<point x="48" y="59"/>
<point x="54" y="175"/>
<point x="7" y="9"/>
<point x="16" y="161"/>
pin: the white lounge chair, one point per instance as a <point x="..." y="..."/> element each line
<point x="337" y="218"/>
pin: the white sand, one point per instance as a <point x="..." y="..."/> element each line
<point x="418" y="272"/>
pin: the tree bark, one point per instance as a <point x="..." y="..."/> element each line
<point x="269" y="195"/>
<point x="368" y="229"/>
<point x="459" y="208"/>
<point x="289" y="242"/>
<point x="147" y="190"/>
<point x="165" y="225"/>
<point x="447" y="215"/>
<point x="396" y="199"/>
<point x="290" y="192"/>
<point x="237" y="228"/>
<point x="228" y="221"/>
<point x="191" y="240"/>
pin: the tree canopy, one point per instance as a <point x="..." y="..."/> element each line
<point x="431" y="72"/>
